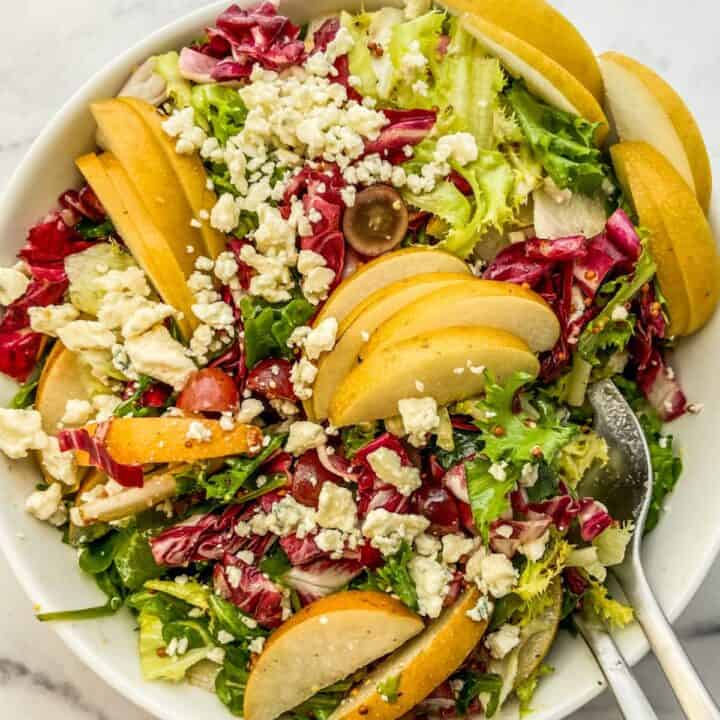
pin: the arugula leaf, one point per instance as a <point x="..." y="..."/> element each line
<point x="667" y="466"/>
<point x="275" y="563"/>
<point x="134" y="560"/>
<point x="466" y="442"/>
<point x="603" y="333"/>
<point x="357" y="436"/>
<point x="488" y="496"/>
<point x="226" y="484"/>
<point x="194" y="631"/>
<point x="394" y="577"/>
<point x="268" y="327"/>
<point x="90" y="230"/>
<point x="321" y="705"/>
<point x="25" y="396"/>
<point x="389" y="688"/>
<point x="519" y="437"/>
<point x="526" y="689"/>
<point x="231" y="681"/>
<point x="562" y="142"/>
<point x="132" y="407"/>
<point x="228" y="617"/>
<point x="475" y="684"/>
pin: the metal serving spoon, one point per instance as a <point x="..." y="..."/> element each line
<point x="625" y="487"/>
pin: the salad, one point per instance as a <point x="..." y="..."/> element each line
<point x="304" y="361"/>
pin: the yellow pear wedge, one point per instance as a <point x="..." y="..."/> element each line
<point x="323" y="643"/>
<point x="643" y="107"/>
<point x="64" y="377"/>
<point x="383" y="271"/>
<point x="189" y="170"/>
<point x="448" y="364"/>
<point x="362" y="322"/>
<point x="420" y="665"/>
<point x="544" y="76"/>
<point x="131" y="141"/>
<point x="493" y="304"/>
<point x="681" y="240"/>
<point x="147" y="244"/>
<point x="539" y="24"/>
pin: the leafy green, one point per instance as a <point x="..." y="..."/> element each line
<point x="667" y="466"/>
<point x="219" y="109"/>
<point x="583" y="452"/>
<point x="466" y="443"/>
<point x="268" y="327"/>
<point x="134" y="560"/>
<point x="599" y="606"/>
<point x="162" y="605"/>
<point x="321" y="705"/>
<point x="537" y="575"/>
<point x="612" y="543"/>
<point x="238" y="471"/>
<point x="519" y="437"/>
<point x="357" y="436"/>
<point x="229" y="618"/>
<point x="475" y="684"/>
<point x="389" y="688"/>
<point x="191" y="592"/>
<point x="231" y="681"/>
<point x="445" y="202"/>
<point x="132" y="406"/>
<point x="91" y="230"/>
<point x="394" y="577"/>
<point x="604" y="334"/>
<point x="178" y="88"/>
<point x="275" y="563"/>
<point x="526" y="689"/>
<point x="505" y="608"/>
<point x="195" y="632"/>
<point x="25" y="395"/>
<point x="488" y="496"/>
<point x="562" y="142"/>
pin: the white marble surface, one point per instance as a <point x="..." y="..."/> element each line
<point x="50" y="48"/>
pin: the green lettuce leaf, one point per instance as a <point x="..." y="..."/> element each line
<point x="178" y="88"/>
<point x="579" y="455"/>
<point x="612" y="544"/>
<point x="191" y="592"/>
<point x="598" y="606"/>
<point x="488" y="496"/>
<point x="219" y="109"/>
<point x="562" y="142"/>
<point x="445" y="202"/>
<point x="525" y="691"/>
<point x="475" y="684"/>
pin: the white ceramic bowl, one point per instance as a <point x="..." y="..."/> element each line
<point x="678" y="555"/>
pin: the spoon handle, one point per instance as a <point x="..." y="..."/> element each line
<point x="693" y="696"/>
<point x="630" y="697"/>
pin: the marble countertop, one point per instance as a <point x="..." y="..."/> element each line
<point x="51" y="48"/>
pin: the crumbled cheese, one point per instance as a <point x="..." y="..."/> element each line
<point x="427" y="545"/>
<point x="413" y="60"/>
<point x="321" y="338"/>
<point x="304" y="436"/>
<point x="249" y="410"/>
<point x="216" y="655"/>
<point x="200" y="342"/>
<point x="59" y="465"/>
<point x="77" y="412"/>
<point x="145" y="318"/>
<point x="431" y="583"/>
<point x="13" y="285"/>
<point x="157" y="354"/>
<point x="198" y="432"/>
<point x="619" y="313"/>
<point x="302" y="376"/>
<point x="420" y="417"/>
<point x="528" y="475"/>
<point x="225" y="215"/>
<point x="117" y="307"/>
<point x="226" y="267"/>
<point x="482" y="610"/>
<point x="456" y="546"/>
<point x="331" y="541"/>
<point x="387" y="530"/>
<point x="503" y="641"/>
<point x="20" y="431"/>
<point x="86" y="335"/>
<point x="47" y="505"/>
<point x="460" y="147"/>
<point x="416" y="8"/>
<point x="181" y="125"/>
<point x="498" y="574"/>
<point x="387" y="465"/>
<point x="316" y="276"/>
<point x="256" y="645"/>
<point x="336" y="508"/>
<point x="216" y="314"/>
<point x="49" y="319"/>
<point x="104" y="406"/>
<point x="286" y="517"/>
<point x="497" y="470"/>
<point x="132" y="280"/>
<point x="223" y="636"/>
<point x="535" y="549"/>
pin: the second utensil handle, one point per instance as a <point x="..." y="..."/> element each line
<point x="630" y="697"/>
<point x="693" y="696"/>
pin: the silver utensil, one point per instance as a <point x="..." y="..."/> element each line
<point x="625" y="487"/>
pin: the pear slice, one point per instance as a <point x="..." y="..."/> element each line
<point x="146" y="440"/>
<point x="383" y="271"/>
<point x="539" y="24"/>
<point x="544" y="77"/>
<point x="644" y="107"/>
<point x="147" y="244"/>
<point x="362" y="322"/>
<point x="493" y="304"/>
<point x="323" y="643"/>
<point x="128" y="138"/>
<point x="448" y="364"/>
<point x="189" y="171"/>
<point x="681" y="240"/>
<point x="420" y="666"/>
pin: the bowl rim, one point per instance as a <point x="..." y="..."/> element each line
<point x="11" y="198"/>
